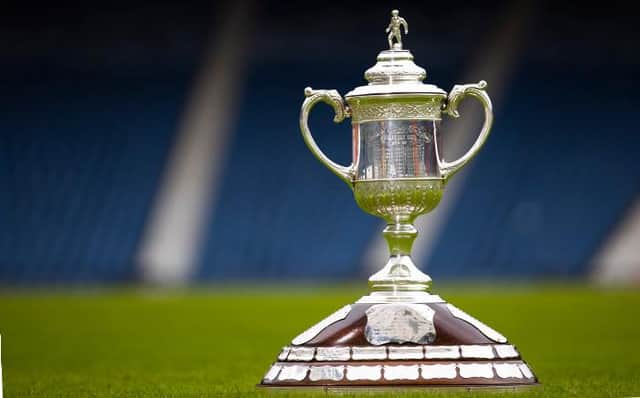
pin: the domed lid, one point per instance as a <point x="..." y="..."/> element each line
<point x="395" y="72"/>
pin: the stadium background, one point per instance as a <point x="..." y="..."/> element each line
<point x="160" y="142"/>
<point x="157" y="144"/>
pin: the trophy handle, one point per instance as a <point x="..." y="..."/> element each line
<point x="330" y="97"/>
<point x="447" y="169"/>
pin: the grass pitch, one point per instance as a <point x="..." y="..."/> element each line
<point x="214" y="342"/>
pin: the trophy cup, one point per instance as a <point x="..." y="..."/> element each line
<point x="399" y="334"/>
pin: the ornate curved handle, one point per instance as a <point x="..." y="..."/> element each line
<point x="447" y="169"/>
<point x="330" y="97"/>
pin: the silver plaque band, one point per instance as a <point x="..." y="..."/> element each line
<point x="401" y="372"/>
<point x="364" y="372"/>
<point x="293" y="372"/>
<point x="421" y="109"/>
<point x="471" y="370"/>
<point x="333" y="353"/>
<point x="442" y="352"/>
<point x="334" y="373"/>
<point x="507" y="370"/>
<point x="477" y="351"/>
<point x="406" y="352"/>
<point x="506" y="351"/>
<point x="369" y="353"/>
<point x="301" y="353"/>
<point x="272" y="373"/>
<point x="445" y="371"/>
<point x="284" y="353"/>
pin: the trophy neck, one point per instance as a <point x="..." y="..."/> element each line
<point x="400" y="274"/>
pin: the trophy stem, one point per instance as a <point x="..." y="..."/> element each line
<point x="400" y="274"/>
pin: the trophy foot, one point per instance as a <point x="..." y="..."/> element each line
<point x="421" y="342"/>
<point x="398" y="275"/>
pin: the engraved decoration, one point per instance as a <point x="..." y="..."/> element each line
<point x="314" y="330"/>
<point x="425" y="109"/>
<point x="400" y="323"/>
<point x="369" y="353"/>
<point x="442" y="352"/>
<point x="301" y="353"/>
<point x="410" y="352"/>
<point x="333" y="354"/>
<point x="334" y="373"/>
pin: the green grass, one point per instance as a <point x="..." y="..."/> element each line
<point x="214" y="342"/>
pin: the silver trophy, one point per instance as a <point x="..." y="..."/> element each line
<point x="399" y="334"/>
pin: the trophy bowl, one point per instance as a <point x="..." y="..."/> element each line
<point x="398" y="200"/>
<point x="399" y="335"/>
<point x="397" y="176"/>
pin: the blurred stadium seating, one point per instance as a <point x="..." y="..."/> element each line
<point x="92" y="99"/>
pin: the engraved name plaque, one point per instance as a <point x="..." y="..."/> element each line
<point x="400" y="323"/>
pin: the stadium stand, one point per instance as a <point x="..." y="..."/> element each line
<point x="87" y="125"/>
<point x="90" y="103"/>
<point x="540" y="198"/>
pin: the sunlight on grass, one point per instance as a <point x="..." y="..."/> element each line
<point x="219" y="341"/>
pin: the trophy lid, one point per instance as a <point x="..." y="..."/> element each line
<point x="395" y="72"/>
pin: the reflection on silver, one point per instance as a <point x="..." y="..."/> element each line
<point x="400" y="323"/>
<point x="396" y="92"/>
<point x="447" y="371"/>
<point x="335" y="373"/>
<point x="394" y="30"/>
<point x="284" y="353"/>
<point x="525" y="371"/>
<point x="368" y="353"/>
<point x="477" y="351"/>
<point x="507" y="370"/>
<point x="272" y="373"/>
<point x="301" y="353"/>
<point x="379" y="161"/>
<point x="400" y="297"/>
<point x="506" y="351"/>
<point x="401" y="372"/>
<point x="320" y="326"/>
<point x="442" y="352"/>
<point x="468" y="370"/>
<point x="486" y="330"/>
<point x="333" y="353"/>
<point x="364" y="372"/>
<point x="293" y="372"/>
<point x="363" y="112"/>
<point x="406" y="352"/>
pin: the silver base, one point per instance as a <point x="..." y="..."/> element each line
<point x="399" y="389"/>
<point x="413" y="297"/>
